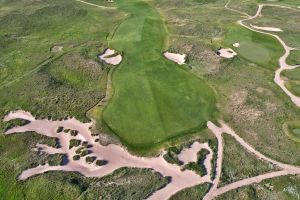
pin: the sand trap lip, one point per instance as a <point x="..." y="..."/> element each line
<point x="226" y="53"/>
<point x="108" y="57"/>
<point x="176" y="57"/>
<point x="116" y="156"/>
<point x="273" y="29"/>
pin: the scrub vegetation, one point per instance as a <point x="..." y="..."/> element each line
<point x="239" y="164"/>
<point x="285" y="188"/>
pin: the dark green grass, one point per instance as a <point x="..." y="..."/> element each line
<point x="294" y="58"/>
<point x="154" y="99"/>
<point x="257" y="48"/>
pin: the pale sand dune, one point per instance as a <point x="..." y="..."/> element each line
<point x="176" y="57"/>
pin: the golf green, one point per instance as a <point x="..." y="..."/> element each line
<point x="154" y="99"/>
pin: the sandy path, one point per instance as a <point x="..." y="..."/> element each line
<point x="91" y="4"/>
<point x="273" y="29"/>
<point x="116" y="156"/>
<point x="218" y="133"/>
<point x="282" y="61"/>
<point x="225" y="129"/>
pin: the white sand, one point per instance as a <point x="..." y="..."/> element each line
<point x="176" y="57"/>
<point x="115" y="60"/>
<point x="226" y="53"/>
<point x="236" y="44"/>
<point x="188" y="155"/>
<point x="116" y="156"/>
<point x="273" y="29"/>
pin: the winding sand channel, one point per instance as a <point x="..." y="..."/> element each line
<point x="116" y="156"/>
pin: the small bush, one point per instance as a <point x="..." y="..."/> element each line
<point x="74" y="132"/>
<point x="79" y="150"/>
<point x="76" y="157"/>
<point x="66" y="130"/>
<point x="101" y="162"/>
<point x="84" y="153"/>
<point x="60" y="129"/>
<point x="74" y="143"/>
<point x="90" y="159"/>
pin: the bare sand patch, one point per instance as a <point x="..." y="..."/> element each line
<point x="110" y="56"/>
<point x="115" y="155"/>
<point x="190" y="154"/>
<point x="226" y="53"/>
<point x="176" y="57"/>
<point x="236" y="44"/>
<point x="273" y="29"/>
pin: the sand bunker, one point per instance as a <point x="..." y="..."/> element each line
<point x="236" y="44"/>
<point x="116" y="156"/>
<point x="273" y="29"/>
<point x="176" y="57"/>
<point x="110" y="56"/>
<point x="226" y="53"/>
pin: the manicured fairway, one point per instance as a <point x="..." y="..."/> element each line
<point x="154" y="99"/>
<point x="257" y="48"/>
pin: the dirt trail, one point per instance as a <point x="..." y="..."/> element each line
<point x="91" y="4"/>
<point x="116" y="156"/>
<point x="285" y="169"/>
<point x="282" y="60"/>
<point x="218" y="133"/>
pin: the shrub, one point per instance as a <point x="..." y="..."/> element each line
<point x="90" y="159"/>
<point x="101" y="162"/>
<point x="74" y="143"/>
<point x="60" y="129"/>
<point x="76" y="157"/>
<point x="74" y="132"/>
